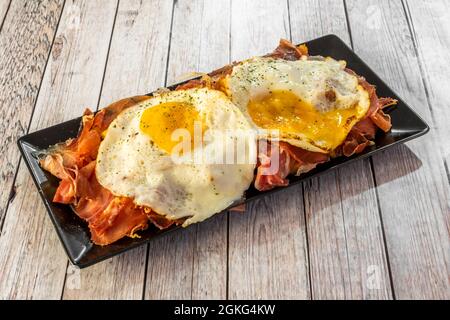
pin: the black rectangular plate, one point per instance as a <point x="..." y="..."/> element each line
<point x="73" y="231"/>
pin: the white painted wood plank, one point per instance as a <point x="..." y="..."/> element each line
<point x="430" y="21"/>
<point x="257" y="26"/>
<point x="268" y="255"/>
<point x="4" y="4"/>
<point x="412" y="184"/>
<point x="267" y="244"/>
<point x="25" y="40"/>
<point x="366" y="248"/>
<point x="138" y="54"/>
<point x="191" y="263"/>
<point x="344" y="229"/>
<point x="314" y="18"/>
<point x="32" y="262"/>
<point x="341" y="225"/>
<point x="136" y="65"/>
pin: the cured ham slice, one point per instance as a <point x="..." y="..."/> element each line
<point x="109" y="217"/>
<point x="289" y="159"/>
<point x="288" y="51"/>
<point x="363" y="132"/>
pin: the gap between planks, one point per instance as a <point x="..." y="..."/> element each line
<point x="12" y="191"/>
<point x="372" y="171"/>
<point x="4" y="8"/>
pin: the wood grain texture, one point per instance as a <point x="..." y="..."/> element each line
<point x="347" y="251"/>
<point x="273" y="250"/>
<point x="430" y="24"/>
<point x="191" y="263"/>
<point x="32" y="262"/>
<point x="4" y="4"/>
<point x="25" y="40"/>
<point x="412" y="184"/>
<point x="136" y="65"/>
<point x="267" y="244"/>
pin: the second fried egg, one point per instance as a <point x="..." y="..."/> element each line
<point x="311" y="103"/>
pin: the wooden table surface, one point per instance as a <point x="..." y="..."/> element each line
<point x="376" y="229"/>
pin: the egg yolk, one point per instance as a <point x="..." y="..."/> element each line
<point x="160" y="121"/>
<point x="285" y="111"/>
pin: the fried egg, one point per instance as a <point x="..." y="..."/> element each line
<point x="312" y="103"/>
<point x="167" y="153"/>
